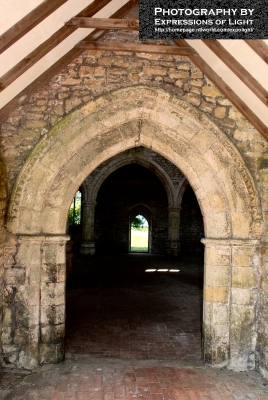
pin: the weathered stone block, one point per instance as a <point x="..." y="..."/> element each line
<point x="264" y="282"/>
<point x="244" y="277"/>
<point x="51" y="353"/>
<point x="154" y="71"/>
<point x="196" y="73"/>
<point x="241" y="256"/>
<point x="216" y="293"/>
<point x="52" y="315"/>
<point x="28" y="356"/>
<point x="202" y="140"/>
<point x="217" y="224"/>
<point x="54" y="220"/>
<point x="217" y="275"/>
<point x="241" y="225"/>
<point x="15" y="276"/>
<point x="7" y="316"/>
<point x="179" y="74"/>
<point x="52" y="333"/>
<point x="87" y="71"/>
<point x="21" y="335"/>
<point x="70" y="81"/>
<point x="35" y="124"/>
<point x="7" y="335"/>
<point x="52" y="294"/>
<point x="53" y="273"/>
<point x="243" y="296"/>
<point x="197" y="82"/>
<point x="220" y="314"/>
<point x="211" y="91"/>
<point x="28" y="253"/>
<point x="28" y="294"/>
<point x="111" y="138"/>
<point x="215" y="201"/>
<point x="235" y="114"/>
<point x="220" y="112"/>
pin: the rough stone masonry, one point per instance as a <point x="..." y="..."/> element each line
<point x="101" y="105"/>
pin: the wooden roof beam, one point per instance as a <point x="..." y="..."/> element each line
<point x="259" y="47"/>
<point x="27" y="23"/>
<point x="104" y="23"/>
<point x="36" y="55"/>
<point x="238" y="69"/>
<point x="136" y="48"/>
<point x="44" y="78"/>
<point x="227" y="91"/>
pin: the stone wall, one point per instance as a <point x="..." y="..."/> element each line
<point x="235" y="164"/>
<point x="262" y="339"/>
<point x="3" y="198"/>
<point x="95" y="73"/>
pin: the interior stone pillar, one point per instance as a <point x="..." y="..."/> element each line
<point x="88" y="244"/>
<point x="52" y="310"/>
<point x="216" y="304"/>
<point x="230" y="301"/>
<point x="262" y="337"/>
<point x="244" y="303"/>
<point x="39" y="303"/>
<point x="173" y="247"/>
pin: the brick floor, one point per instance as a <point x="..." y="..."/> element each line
<point x="90" y="379"/>
<point x="116" y="309"/>
<point x="133" y="334"/>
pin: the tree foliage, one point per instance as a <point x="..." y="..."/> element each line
<point x="75" y="210"/>
<point x="139" y="222"/>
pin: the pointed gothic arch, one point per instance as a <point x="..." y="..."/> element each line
<point x="81" y="141"/>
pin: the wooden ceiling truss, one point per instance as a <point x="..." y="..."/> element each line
<point x="32" y="19"/>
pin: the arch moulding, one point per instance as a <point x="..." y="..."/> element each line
<point x="97" y="181"/>
<point x="74" y="147"/>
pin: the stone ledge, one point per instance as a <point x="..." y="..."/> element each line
<point x="230" y="242"/>
<point x="43" y="238"/>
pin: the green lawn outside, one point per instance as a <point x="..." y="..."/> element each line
<point x="139" y="240"/>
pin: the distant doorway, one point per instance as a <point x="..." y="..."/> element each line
<point x="139" y="235"/>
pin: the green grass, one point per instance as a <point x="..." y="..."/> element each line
<point x="139" y="240"/>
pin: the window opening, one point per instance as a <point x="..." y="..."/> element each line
<point x="139" y="238"/>
<point x="75" y="209"/>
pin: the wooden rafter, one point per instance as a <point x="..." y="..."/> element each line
<point x="259" y="47"/>
<point x="28" y="22"/>
<point x="138" y="48"/>
<point x="44" y="78"/>
<point x="238" y="69"/>
<point x="227" y="91"/>
<point x="36" y="55"/>
<point x="104" y="23"/>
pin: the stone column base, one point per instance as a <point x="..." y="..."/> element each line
<point x="87" y="248"/>
<point x="173" y="248"/>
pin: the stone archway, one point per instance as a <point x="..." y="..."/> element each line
<point x="93" y="185"/>
<point x="224" y="188"/>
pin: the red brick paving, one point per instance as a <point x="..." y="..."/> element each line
<point x="84" y="381"/>
<point x="133" y="335"/>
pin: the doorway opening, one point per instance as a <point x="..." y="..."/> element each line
<point x="139" y="235"/>
<point x="131" y="300"/>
